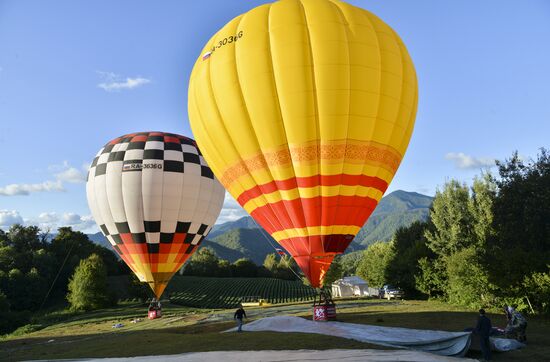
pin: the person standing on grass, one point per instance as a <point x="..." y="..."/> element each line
<point x="483" y="329"/>
<point x="238" y="316"/>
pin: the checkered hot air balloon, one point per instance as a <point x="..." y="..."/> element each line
<point x="155" y="199"/>
<point x="304" y="110"/>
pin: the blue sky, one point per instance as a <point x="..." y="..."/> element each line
<point x="74" y="75"/>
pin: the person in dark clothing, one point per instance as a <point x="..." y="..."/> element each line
<point x="517" y="325"/>
<point x="483" y="329"/>
<point x="238" y="316"/>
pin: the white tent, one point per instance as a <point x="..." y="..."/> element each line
<point x="349" y="287"/>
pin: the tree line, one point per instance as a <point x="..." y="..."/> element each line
<point x="206" y="263"/>
<point x="40" y="272"/>
<point x="483" y="245"/>
<point x="35" y="270"/>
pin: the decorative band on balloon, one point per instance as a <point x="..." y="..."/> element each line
<point x="333" y="152"/>
<point x="312" y="181"/>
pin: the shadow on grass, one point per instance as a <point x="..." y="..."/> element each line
<point x="196" y="338"/>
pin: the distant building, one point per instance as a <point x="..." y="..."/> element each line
<point x="351" y="286"/>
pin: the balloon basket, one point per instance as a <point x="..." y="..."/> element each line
<point x="154" y="314"/>
<point x="155" y="310"/>
<point x="324" y="313"/>
<point x="324" y="308"/>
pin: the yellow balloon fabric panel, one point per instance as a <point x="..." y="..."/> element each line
<point x="304" y="109"/>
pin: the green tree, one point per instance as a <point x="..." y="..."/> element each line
<point x="25" y="238"/>
<point x="4" y="303"/>
<point x="271" y="263"/>
<point x="537" y="289"/>
<point x="374" y="263"/>
<point x="138" y="289"/>
<point x="244" y="268"/>
<point x="88" y="285"/>
<point x="432" y="279"/>
<point x="350" y="262"/>
<point x="484" y="191"/>
<point x="36" y="288"/>
<point x="452" y="219"/>
<point x="16" y="290"/>
<point x="521" y="245"/>
<point x="335" y="272"/>
<point x="468" y="283"/>
<point x="203" y="263"/>
<point x="287" y="268"/>
<point x="224" y="268"/>
<point x="409" y="245"/>
<point x="8" y="258"/>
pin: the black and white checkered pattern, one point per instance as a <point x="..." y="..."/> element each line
<point x="153" y="188"/>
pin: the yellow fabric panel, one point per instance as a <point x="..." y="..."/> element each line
<point x="315" y="230"/>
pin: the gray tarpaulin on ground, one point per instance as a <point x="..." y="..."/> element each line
<point x="438" y="342"/>
<point x="348" y="355"/>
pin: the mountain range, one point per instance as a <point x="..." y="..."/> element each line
<point x="243" y="238"/>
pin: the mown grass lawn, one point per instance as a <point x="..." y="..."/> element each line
<point x="192" y="330"/>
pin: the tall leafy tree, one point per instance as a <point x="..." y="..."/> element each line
<point x="271" y="263"/>
<point x="521" y="245"/>
<point x="451" y="218"/>
<point x="374" y="263"/>
<point x="484" y="191"/>
<point x="88" y="285"/>
<point x="409" y="244"/>
<point x="204" y="262"/>
<point x="244" y="268"/>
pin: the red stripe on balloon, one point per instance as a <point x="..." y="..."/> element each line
<point x="312" y="181"/>
<point x="315" y="211"/>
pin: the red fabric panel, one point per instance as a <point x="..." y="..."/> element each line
<point x="334" y="210"/>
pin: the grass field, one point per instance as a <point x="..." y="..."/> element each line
<point x="227" y="292"/>
<point x="185" y="329"/>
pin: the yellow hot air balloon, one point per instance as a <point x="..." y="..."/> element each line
<point x="304" y="109"/>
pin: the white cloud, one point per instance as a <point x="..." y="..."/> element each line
<point x="66" y="173"/>
<point x="51" y="221"/>
<point x="48" y="217"/>
<point x="72" y="175"/>
<point x="70" y="218"/>
<point x="463" y="161"/>
<point x="231" y="210"/>
<point x="26" y="189"/>
<point x="63" y="173"/>
<point x="9" y="217"/>
<point x="78" y="222"/>
<point x="111" y="82"/>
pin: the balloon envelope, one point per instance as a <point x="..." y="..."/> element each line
<point x="304" y="110"/>
<point x="155" y="199"/>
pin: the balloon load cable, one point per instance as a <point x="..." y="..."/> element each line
<point x="262" y="231"/>
<point x="57" y="276"/>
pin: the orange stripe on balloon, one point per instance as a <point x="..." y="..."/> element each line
<point x="321" y="211"/>
<point x="312" y="181"/>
